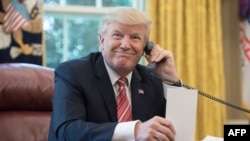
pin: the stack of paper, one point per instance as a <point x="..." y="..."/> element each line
<point x="181" y="110"/>
<point x="212" y="138"/>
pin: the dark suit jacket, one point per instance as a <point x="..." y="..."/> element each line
<point x="84" y="104"/>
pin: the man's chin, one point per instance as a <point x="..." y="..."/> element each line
<point x="124" y="67"/>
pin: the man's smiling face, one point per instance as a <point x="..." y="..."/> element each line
<point x="122" y="46"/>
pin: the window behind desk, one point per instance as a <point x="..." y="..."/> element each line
<point x="70" y="26"/>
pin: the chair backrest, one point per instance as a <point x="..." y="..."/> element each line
<point x="26" y="91"/>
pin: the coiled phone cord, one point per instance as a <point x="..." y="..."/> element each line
<point x="206" y="95"/>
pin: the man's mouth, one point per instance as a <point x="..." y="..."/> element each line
<point x="124" y="53"/>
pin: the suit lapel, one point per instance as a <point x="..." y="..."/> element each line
<point x="105" y="87"/>
<point x="138" y="98"/>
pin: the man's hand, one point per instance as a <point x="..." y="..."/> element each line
<point x="165" y="63"/>
<point x="155" y="129"/>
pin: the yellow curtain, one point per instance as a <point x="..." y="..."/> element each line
<point x="191" y="29"/>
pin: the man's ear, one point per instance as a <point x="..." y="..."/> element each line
<point x="100" y="39"/>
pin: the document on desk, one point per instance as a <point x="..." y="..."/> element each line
<point x="181" y="110"/>
<point x="212" y="138"/>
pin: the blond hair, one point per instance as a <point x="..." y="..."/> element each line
<point x="125" y="15"/>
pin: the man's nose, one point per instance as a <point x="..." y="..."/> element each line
<point x="125" y="43"/>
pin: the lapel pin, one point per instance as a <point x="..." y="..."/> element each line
<point x="140" y="91"/>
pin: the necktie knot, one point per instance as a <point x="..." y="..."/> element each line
<point x="122" y="81"/>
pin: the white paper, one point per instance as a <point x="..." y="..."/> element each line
<point x="181" y="110"/>
<point x="212" y="138"/>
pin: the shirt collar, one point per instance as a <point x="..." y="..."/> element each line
<point x="114" y="76"/>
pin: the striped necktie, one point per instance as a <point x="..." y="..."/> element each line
<point x="124" y="112"/>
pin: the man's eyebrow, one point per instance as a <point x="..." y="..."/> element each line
<point x="131" y="34"/>
<point x="117" y="31"/>
<point x="138" y="34"/>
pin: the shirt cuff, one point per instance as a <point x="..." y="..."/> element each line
<point x="176" y="84"/>
<point x="125" y="131"/>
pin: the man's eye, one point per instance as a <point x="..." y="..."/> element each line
<point x="117" y="35"/>
<point x="136" y="37"/>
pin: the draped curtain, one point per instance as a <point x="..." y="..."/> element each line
<point x="192" y="30"/>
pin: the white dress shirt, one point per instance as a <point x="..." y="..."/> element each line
<point x="124" y="131"/>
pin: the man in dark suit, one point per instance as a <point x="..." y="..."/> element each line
<point x="86" y="91"/>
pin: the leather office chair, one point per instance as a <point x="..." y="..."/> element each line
<point x="26" y="91"/>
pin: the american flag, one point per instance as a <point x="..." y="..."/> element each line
<point x="16" y="16"/>
<point x="244" y="17"/>
<point x="140" y="91"/>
